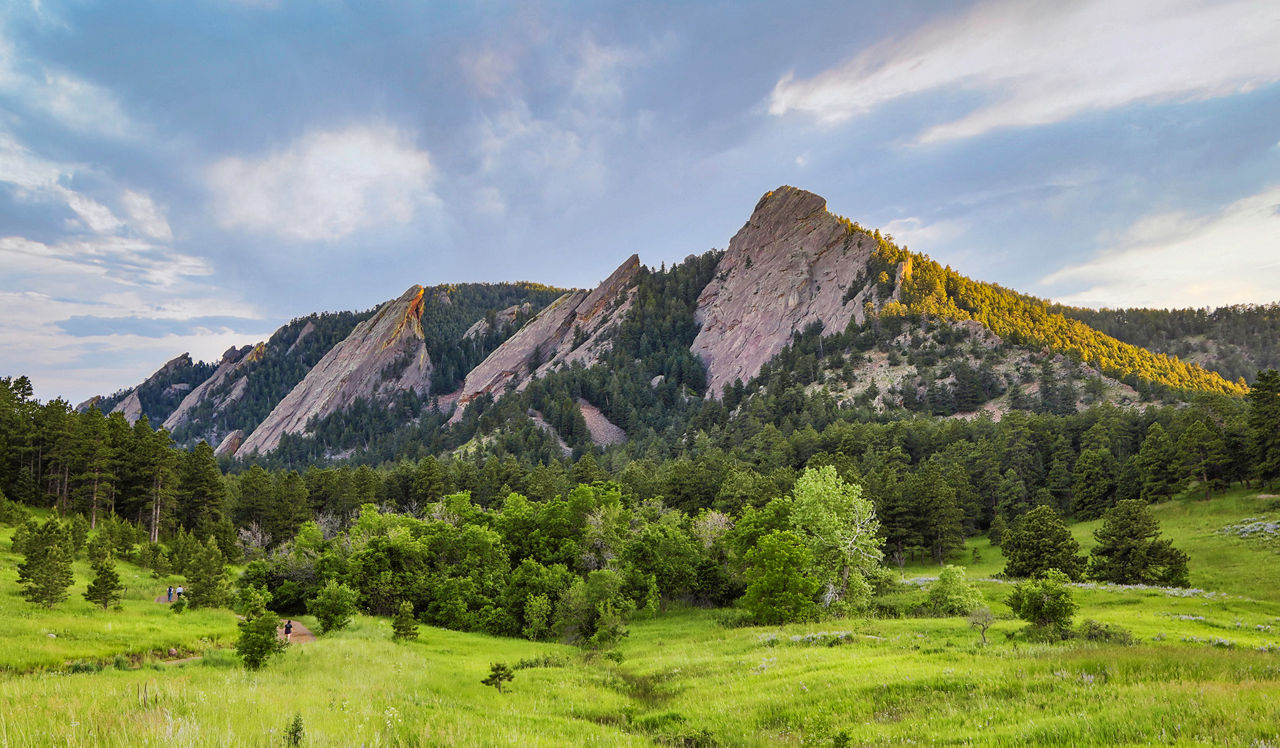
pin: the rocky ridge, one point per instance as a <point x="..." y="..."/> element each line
<point x="382" y="356"/>
<point x="574" y="327"/>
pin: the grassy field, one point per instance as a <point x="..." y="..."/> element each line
<point x="1206" y="670"/>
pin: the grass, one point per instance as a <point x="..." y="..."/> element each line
<point x="1206" y="670"/>
<point x="34" y="638"/>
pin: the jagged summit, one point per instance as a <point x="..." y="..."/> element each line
<point x="792" y="264"/>
<point x="383" y="355"/>
<point x="573" y="328"/>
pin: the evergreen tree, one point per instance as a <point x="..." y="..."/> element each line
<point x="1039" y="541"/>
<point x="105" y="588"/>
<point x="45" y="574"/>
<point x="1130" y="550"/>
<point x="1095" y="483"/>
<point x="1157" y="465"/>
<point x="1203" y="453"/>
<point x="207" y="577"/>
<point x="1264" y="426"/>
<point x="404" y="627"/>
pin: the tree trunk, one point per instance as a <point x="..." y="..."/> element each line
<point x="93" y="509"/>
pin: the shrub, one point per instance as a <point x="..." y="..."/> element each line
<point x="1105" y="632"/>
<point x="258" y="641"/>
<point x="952" y="594"/>
<point x="332" y="606"/>
<point x="1046" y="602"/>
<point x="779" y="586"/>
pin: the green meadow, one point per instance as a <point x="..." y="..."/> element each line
<point x="1205" y="670"/>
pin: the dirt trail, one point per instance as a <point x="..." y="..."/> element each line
<point x="301" y="634"/>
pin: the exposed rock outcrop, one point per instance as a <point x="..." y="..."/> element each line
<point x="131" y="407"/>
<point x="382" y="356"/>
<point x="792" y="264"/>
<point x="230" y="443"/>
<point x="574" y="327"/>
<point x="603" y="431"/>
<point x="233" y="360"/>
<point x="503" y="319"/>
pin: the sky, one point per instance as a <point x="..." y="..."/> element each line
<point x="187" y="176"/>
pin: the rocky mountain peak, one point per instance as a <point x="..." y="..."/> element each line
<point x="383" y="355"/>
<point x="792" y="264"/>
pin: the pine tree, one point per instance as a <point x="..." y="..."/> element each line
<point x="1157" y="465"/>
<point x="45" y="574"/>
<point x="1130" y="550"/>
<point x="1264" y="426"/>
<point x="1203" y="453"/>
<point x="1039" y="541"/>
<point x="404" y="626"/>
<point x="1095" y="483"/>
<point x="207" y="577"/>
<point x="105" y="588"/>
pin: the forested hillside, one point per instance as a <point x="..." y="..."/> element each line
<point x="1235" y="341"/>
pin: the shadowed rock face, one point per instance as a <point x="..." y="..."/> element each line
<point x="792" y="264"/>
<point x="131" y="407"/>
<point x="383" y="355"/>
<point x="548" y="340"/>
<point x="230" y="443"/>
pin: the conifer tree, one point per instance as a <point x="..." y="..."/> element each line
<point x="1095" y="482"/>
<point x="105" y="588"/>
<point x="1131" y="551"/>
<point x="45" y="574"/>
<point x="1203" y="453"/>
<point x="207" y="577"/>
<point x="404" y="627"/>
<point x="1157" y="465"/>
<point x="1264" y="426"/>
<point x="1039" y="541"/>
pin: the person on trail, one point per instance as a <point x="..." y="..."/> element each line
<point x="288" y="630"/>
<point x="171" y="593"/>
<point x="179" y="590"/>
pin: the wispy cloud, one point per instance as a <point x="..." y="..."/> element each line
<point x="1039" y="63"/>
<point x="1178" y="260"/>
<point x="325" y="186"/>
<point x="66" y="99"/>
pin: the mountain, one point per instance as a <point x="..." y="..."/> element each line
<point x="801" y="296"/>
<point x="158" y="395"/>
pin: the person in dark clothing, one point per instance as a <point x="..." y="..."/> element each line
<point x="171" y="593"/>
<point x="288" y="630"/>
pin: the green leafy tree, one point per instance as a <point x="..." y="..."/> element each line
<point x="594" y="610"/>
<point x="105" y="588"/>
<point x="842" y="532"/>
<point x="404" y="627"/>
<point x="952" y="594"/>
<point x="1131" y="551"/>
<point x="780" y="585"/>
<point x="1040" y="541"/>
<point x="1045" y="602"/>
<point x="45" y="574"/>
<point x="333" y="605"/>
<point x="258" y="641"/>
<point x="207" y="577"/>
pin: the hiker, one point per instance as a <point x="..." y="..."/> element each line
<point x="179" y="591"/>
<point x="288" y="630"/>
<point x="171" y="593"/>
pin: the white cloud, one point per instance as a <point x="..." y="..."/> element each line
<point x="918" y="235"/>
<point x="146" y="216"/>
<point x="71" y="101"/>
<point x="325" y="186"/>
<point x="1041" y="63"/>
<point x="1176" y="260"/>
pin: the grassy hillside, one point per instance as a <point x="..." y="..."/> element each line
<point x="1206" y="669"/>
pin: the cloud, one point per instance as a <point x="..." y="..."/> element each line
<point x="146" y="216"/>
<point x="325" y="186"/>
<point x="1175" y="261"/>
<point x="916" y="233"/>
<point x="69" y="100"/>
<point x="1046" y="62"/>
<point x="128" y="262"/>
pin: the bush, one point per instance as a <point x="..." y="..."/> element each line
<point x="952" y="594"/>
<point x="258" y="641"/>
<point x="333" y="606"/>
<point x="1046" y="602"/>
<point x="1109" y="633"/>
<point x="779" y="588"/>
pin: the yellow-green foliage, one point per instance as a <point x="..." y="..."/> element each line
<point x="930" y="289"/>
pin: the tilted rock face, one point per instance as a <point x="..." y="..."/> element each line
<point x="792" y="264"/>
<point x="548" y="340"/>
<point x="232" y="361"/>
<point x="383" y="355"/>
<point x="230" y="443"/>
<point x="131" y="407"/>
<point x="505" y="318"/>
